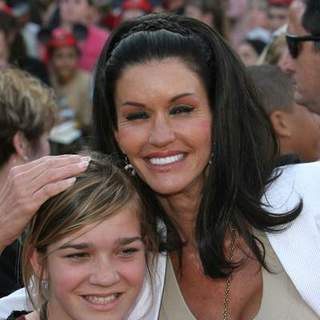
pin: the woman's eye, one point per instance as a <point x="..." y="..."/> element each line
<point x="181" y="109"/>
<point x="137" y="116"/>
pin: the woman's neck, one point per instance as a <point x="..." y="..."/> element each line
<point x="183" y="210"/>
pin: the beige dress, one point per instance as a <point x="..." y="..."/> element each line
<point x="280" y="299"/>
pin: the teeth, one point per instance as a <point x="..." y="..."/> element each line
<point x="166" y="160"/>
<point x="101" y="300"/>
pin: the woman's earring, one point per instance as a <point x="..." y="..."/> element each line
<point x="25" y="158"/>
<point x="211" y="159"/>
<point x="44" y="284"/>
<point x="129" y="167"/>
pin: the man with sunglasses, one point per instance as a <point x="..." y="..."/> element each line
<point x="303" y="39"/>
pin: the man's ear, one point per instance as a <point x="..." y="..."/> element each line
<point x="281" y="123"/>
<point x="21" y="145"/>
<point x="38" y="265"/>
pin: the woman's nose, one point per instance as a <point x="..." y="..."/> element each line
<point x="162" y="133"/>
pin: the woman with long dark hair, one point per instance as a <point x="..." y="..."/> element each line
<point x="174" y="104"/>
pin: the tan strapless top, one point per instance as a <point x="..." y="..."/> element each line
<point x="280" y="299"/>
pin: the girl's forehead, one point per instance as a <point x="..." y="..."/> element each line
<point x="123" y="223"/>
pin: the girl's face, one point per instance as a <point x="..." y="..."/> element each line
<point x="164" y="124"/>
<point x="97" y="272"/>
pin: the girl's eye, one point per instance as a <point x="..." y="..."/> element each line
<point x="181" y="109"/>
<point x="77" y="256"/>
<point x="137" y="116"/>
<point x="128" y="252"/>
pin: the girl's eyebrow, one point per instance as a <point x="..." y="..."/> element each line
<point x="85" y="245"/>
<point x="77" y="246"/>
<point x="128" y="240"/>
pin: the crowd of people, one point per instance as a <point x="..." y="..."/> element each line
<point x="183" y="176"/>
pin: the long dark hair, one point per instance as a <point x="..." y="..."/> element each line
<point x="244" y="145"/>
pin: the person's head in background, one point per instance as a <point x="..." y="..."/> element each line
<point x="297" y="128"/>
<point x="210" y="12"/>
<point x="8" y="27"/>
<point x="87" y="250"/>
<point x="132" y="9"/>
<point x="174" y="6"/>
<point x="303" y="62"/>
<point x="249" y="51"/>
<point x="256" y="15"/>
<point x="74" y="12"/>
<point x="63" y="55"/>
<point x="13" y="48"/>
<point x="278" y="13"/>
<point x="27" y="114"/>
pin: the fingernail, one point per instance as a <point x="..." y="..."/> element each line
<point x="71" y="181"/>
<point x="86" y="158"/>
<point x="84" y="163"/>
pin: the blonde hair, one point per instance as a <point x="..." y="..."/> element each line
<point x="274" y="50"/>
<point x="26" y="105"/>
<point x="98" y="193"/>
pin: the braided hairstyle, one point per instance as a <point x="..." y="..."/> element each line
<point x="243" y="142"/>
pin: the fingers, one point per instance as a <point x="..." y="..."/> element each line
<point x="52" y="189"/>
<point x="33" y="169"/>
<point x="28" y="186"/>
<point x="50" y="172"/>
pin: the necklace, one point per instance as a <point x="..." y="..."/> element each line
<point x="226" y="315"/>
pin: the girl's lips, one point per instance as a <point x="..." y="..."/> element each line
<point x="101" y="302"/>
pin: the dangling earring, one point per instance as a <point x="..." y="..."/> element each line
<point x="129" y="167"/>
<point x="211" y="159"/>
<point x="45" y="284"/>
<point x="25" y="158"/>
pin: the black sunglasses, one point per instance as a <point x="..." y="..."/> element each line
<point x="293" y="43"/>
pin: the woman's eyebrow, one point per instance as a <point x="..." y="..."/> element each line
<point x="138" y="104"/>
<point x="181" y="95"/>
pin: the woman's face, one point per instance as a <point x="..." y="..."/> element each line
<point x="97" y="272"/>
<point x="164" y="124"/>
